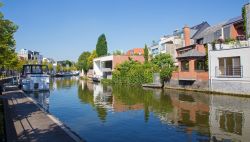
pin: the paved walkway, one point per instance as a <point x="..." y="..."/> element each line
<point x="26" y="122"/>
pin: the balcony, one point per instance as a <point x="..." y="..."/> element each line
<point x="229" y="72"/>
<point x="231" y="45"/>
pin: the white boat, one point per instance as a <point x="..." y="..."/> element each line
<point x="35" y="78"/>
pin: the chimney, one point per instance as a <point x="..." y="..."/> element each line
<point x="186" y="31"/>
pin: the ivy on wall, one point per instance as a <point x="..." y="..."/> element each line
<point x="244" y="16"/>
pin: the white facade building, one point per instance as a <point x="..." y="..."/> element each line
<point x="168" y="45"/>
<point x="30" y="55"/>
<point x="229" y="69"/>
<point x="103" y="66"/>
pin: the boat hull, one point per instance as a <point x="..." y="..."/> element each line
<point x="35" y="83"/>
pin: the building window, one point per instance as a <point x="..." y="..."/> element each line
<point x="184" y="65"/>
<point x="199" y="65"/>
<point x="226" y="31"/>
<point x="199" y="41"/>
<point x="229" y="67"/>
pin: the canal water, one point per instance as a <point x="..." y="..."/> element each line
<point x="125" y="114"/>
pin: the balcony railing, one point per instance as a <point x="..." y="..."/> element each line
<point x="236" y="44"/>
<point x="229" y="72"/>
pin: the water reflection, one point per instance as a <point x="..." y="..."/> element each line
<point x="209" y="115"/>
<point x="63" y="82"/>
<point x="42" y="99"/>
<point x="198" y="116"/>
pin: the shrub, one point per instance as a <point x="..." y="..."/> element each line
<point x="132" y="72"/>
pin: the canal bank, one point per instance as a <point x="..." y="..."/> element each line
<point x="25" y="121"/>
<point x="208" y="91"/>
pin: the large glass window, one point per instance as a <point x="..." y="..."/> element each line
<point x="199" y="65"/>
<point x="185" y="65"/>
<point x="229" y="66"/>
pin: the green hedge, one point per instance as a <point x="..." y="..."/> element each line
<point x="132" y="72"/>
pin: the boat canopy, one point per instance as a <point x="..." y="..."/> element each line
<point x="34" y="69"/>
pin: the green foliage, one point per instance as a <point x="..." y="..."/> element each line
<point x="50" y="65"/>
<point x="230" y="41"/>
<point x="90" y="59"/>
<point x="83" y="61"/>
<point x="146" y="53"/>
<point x="165" y="63"/>
<point x="244" y="16"/>
<point x="20" y="64"/>
<point x="101" y="46"/>
<point x="58" y="68"/>
<point x="69" y="63"/>
<point x="8" y="57"/>
<point x="132" y="72"/>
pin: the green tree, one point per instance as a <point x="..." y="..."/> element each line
<point x="91" y="58"/>
<point x="58" y="68"/>
<point x="69" y="63"/>
<point x="20" y="64"/>
<point x="146" y="53"/>
<point x="83" y="61"/>
<point x="101" y="46"/>
<point x="165" y="63"/>
<point x="8" y="57"/>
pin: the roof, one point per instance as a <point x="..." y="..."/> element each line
<point x="183" y="47"/>
<point x="199" y="28"/>
<point x="233" y="20"/>
<point x="210" y="30"/>
<point x="192" y="53"/>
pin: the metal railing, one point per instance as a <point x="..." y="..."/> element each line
<point x="229" y="71"/>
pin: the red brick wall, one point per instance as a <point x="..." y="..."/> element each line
<point x="233" y="32"/>
<point x="118" y="59"/>
<point x="200" y="48"/>
<point x="191" y="74"/>
<point x="186" y="31"/>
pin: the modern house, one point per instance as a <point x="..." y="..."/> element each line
<point x="135" y="51"/>
<point x="168" y="44"/>
<point x="49" y="60"/>
<point x="229" y="30"/>
<point x="103" y="66"/>
<point x="229" y="71"/>
<point x="191" y="72"/>
<point x="29" y="55"/>
<point x="229" y="68"/>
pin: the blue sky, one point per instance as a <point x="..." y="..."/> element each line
<point x="63" y="29"/>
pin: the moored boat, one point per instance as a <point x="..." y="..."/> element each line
<point x="34" y="78"/>
<point x="66" y="74"/>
